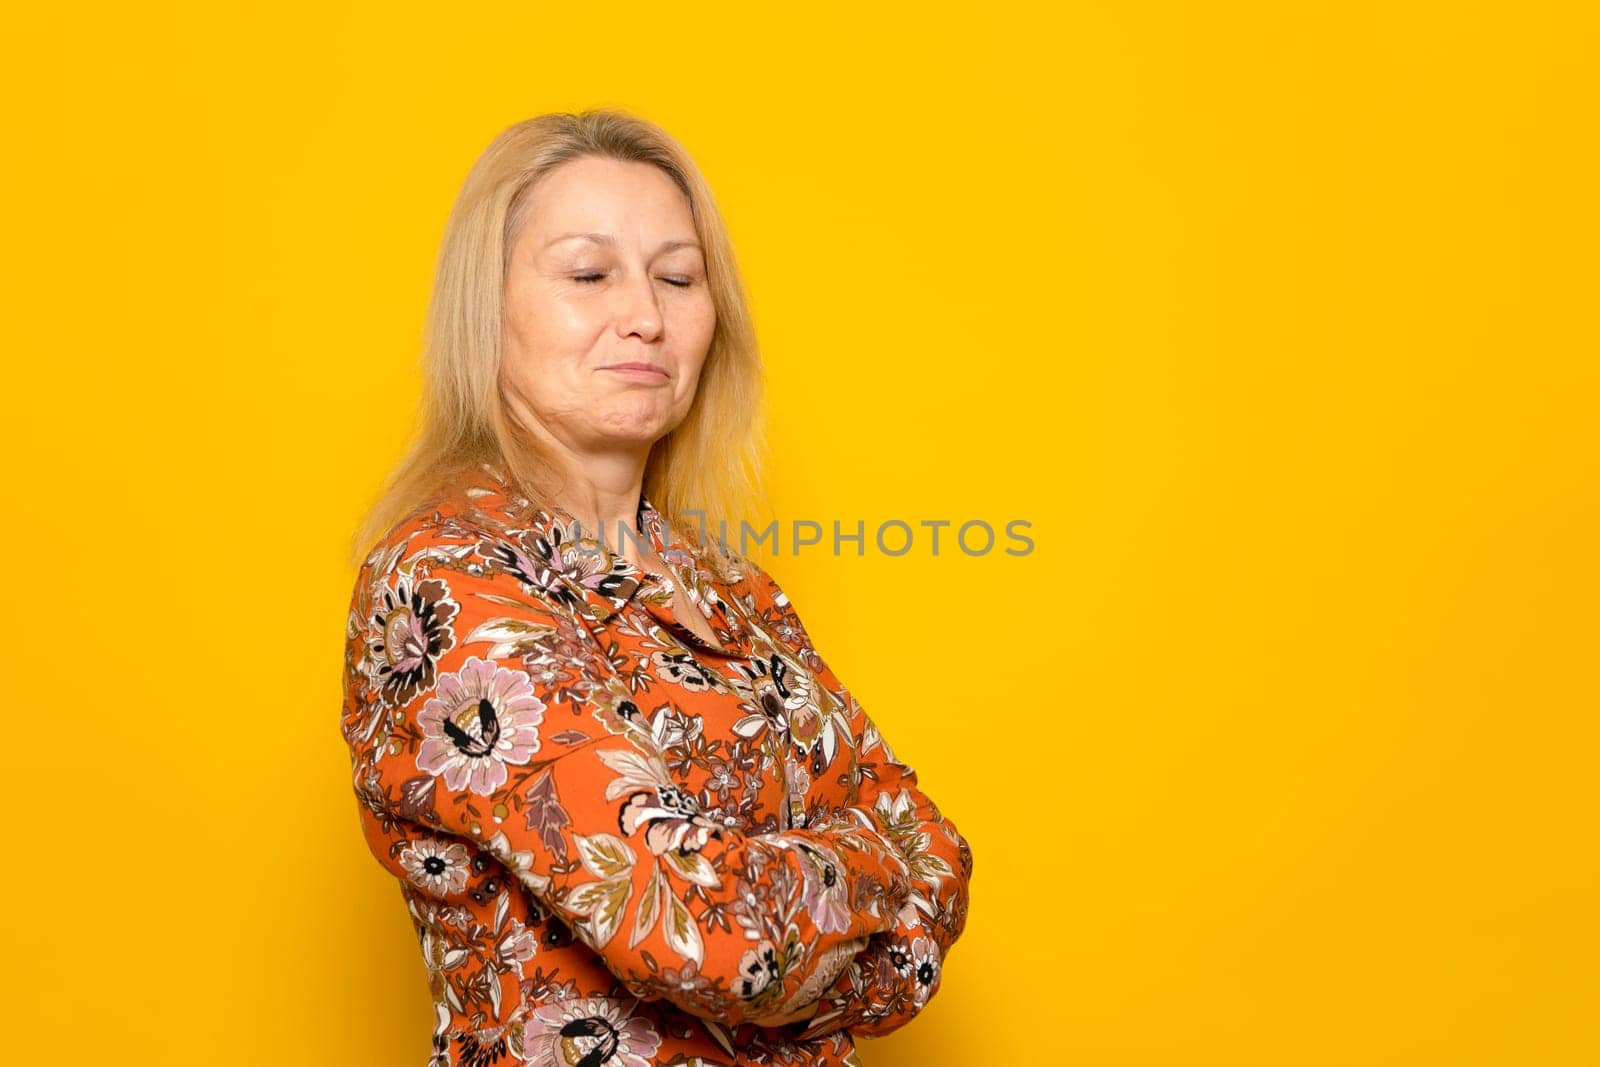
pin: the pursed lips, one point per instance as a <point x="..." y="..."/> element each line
<point x="639" y="369"/>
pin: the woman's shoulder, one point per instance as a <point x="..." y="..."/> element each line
<point x="455" y="549"/>
<point x="439" y="529"/>
<point x="468" y="508"/>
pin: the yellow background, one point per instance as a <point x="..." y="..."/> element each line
<point x="1277" y="322"/>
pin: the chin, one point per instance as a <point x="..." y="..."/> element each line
<point x="638" y="427"/>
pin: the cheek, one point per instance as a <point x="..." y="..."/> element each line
<point x="545" y="343"/>
<point x="696" y="325"/>
<point x="553" y="327"/>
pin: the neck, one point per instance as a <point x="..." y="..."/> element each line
<point x="603" y="501"/>
<point x="600" y="489"/>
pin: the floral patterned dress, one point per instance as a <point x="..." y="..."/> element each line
<point x="619" y="844"/>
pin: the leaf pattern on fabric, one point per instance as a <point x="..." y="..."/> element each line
<point x="615" y="840"/>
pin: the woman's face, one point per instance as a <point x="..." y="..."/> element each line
<point x="607" y="313"/>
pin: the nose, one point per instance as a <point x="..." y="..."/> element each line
<point x="638" y="310"/>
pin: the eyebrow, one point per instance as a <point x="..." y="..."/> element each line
<point x="607" y="239"/>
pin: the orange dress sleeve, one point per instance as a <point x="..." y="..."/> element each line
<point x="449" y="731"/>
<point x="853" y="776"/>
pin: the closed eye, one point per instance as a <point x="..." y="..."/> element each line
<point x="681" y="283"/>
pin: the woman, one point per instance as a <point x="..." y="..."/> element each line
<point x="635" y="817"/>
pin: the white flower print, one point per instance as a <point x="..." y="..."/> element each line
<point x="899" y="956"/>
<point x="896" y="813"/>
<point x="669" y="816"/>
<point x="825" y="895"/>
<point x="482" y="718"/>
<point x="671" y="819"/>
<point x="671" y="728"/>
<point x="437" y="867"/>
<point x="758" y="968"/>
<point x="593" y="1031"/>
<point x="517" y="944"/>
<point x="798" y="777"/>
<point x="924" y="968"/>
<point x="518" y="862"/>
<point x="681" y="667"/>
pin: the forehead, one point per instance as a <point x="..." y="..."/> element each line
<point x="623" y="198"/>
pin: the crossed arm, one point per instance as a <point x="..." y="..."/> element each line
<point x="453" y="733"/>
<point x="855" y="779"/>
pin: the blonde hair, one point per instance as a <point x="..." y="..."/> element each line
<point x="711" y="462"/>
